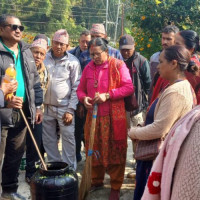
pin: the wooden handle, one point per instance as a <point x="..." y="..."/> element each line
<point x="93" y="126"/>
<point x="33" y="139"/>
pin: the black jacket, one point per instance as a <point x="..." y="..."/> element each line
<point x="33" y="88"/>
<point x="141" y="79"/>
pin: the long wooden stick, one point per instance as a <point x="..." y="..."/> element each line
<point x="86" y="175"/>
<point x="33" y="139"/>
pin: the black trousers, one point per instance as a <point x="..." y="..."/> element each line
<point x="143" y="170"/>
<point x="31" y="153"/>
<point x="14" y="150"/>
<point x="79" y="132"/>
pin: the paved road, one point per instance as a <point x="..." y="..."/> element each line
<point x="103" y="194"/>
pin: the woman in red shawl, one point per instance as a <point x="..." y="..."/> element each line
<point x="190" y="40"/>
<point x="106" y="81"/>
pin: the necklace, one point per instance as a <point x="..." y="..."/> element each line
<point x="95" y="79"/>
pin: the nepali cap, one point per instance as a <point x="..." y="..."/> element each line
<point x="42" y="43"/>
<point x="98" y="28"/>
<point x="61" y="36"/>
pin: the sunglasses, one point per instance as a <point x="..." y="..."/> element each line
<point x="14" y="27"/>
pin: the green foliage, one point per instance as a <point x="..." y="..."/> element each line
<point x="43" y="16"/>
<point x="148" y="18"/>
<point x="47" y="16"/>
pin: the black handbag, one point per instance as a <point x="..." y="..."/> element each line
<point x="131" y="103"/>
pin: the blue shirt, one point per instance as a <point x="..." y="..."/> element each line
<point x="76" y="52"/>
<point x="85" y="56"/>
<point x="150" y="113"/>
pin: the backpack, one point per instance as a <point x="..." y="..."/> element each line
<point x="140" y="94"/>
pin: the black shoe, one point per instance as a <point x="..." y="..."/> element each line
<point x="12" y="196"/>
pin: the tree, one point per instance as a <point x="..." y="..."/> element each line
<point x="148" y="17"/>
<point x="43" y="16"/>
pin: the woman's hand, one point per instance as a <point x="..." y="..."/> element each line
<point x="131" y="133"/>
<point x="88" y="102"/>
<point x="100" y="98"/>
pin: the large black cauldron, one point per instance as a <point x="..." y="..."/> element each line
<point x="57" y="183"/>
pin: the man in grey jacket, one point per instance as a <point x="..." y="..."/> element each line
<point x="61" y="100"/>
<point x="28" y="97"/>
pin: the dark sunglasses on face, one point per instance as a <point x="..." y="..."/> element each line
<point x="14" y="27"/>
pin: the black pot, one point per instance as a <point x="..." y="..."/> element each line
<point x="57" y="183"/>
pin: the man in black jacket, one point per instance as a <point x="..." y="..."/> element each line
<point x="140" y="72"/>
<point x="29" y="97"/>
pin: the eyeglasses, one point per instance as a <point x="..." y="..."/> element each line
<point x="92" y="55"/>
<point x="14" y="27"/>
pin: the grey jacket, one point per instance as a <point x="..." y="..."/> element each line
<point x="64" y="76"/>
<point x="34" y="92"/>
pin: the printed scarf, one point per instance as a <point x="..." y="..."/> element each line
<point x="160" y="179"/>
<point x="118" y="114"/>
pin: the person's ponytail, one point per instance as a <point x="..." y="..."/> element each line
<point x="192" y="68"/>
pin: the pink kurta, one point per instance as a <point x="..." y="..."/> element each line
<point x="101" y="73"/>
<point x="106" y="151"/>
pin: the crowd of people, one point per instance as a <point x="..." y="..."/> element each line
<point x="150" y="102"/>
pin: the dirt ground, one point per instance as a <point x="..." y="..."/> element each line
<point x="103" y="194"/>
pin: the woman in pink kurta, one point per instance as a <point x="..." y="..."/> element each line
<point x="109" y="79"/>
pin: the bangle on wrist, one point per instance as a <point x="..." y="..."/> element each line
<point x="38" y="107"/>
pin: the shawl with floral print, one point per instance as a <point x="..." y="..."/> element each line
<point x="160" y="179"/>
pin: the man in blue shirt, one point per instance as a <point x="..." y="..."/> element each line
<point x="80" y="114"/>
<point x="84" y="39"/>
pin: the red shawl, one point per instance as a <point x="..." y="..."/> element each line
<point x="160" y="85"/>
<point x="118" y="114"/>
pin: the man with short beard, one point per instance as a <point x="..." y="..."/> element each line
<point x="168" y="38"/>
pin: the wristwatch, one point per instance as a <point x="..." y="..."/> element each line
<point x="107" y="96"/>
